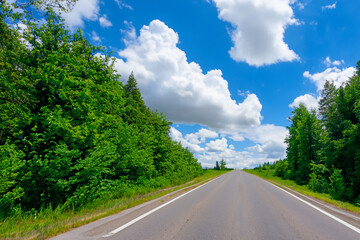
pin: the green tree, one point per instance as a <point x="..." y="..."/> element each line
<point x="337" y="185"/>
<point x="217" y="166"/>
<point x="281" y="168"/>
<point x="328" y="99"/>
<point x="319" y="178"/>
<point x="304" y="143"/>
<point x="343" y="127"/>
<point x="222" y="164"/>
<point x="70" y="132"/>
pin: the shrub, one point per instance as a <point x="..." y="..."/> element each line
<point x="281" y="168"/>
<point x="318" y="178"/>
<point x="337" y="185"/>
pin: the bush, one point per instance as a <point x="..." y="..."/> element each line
<point x="318" y="183"/>
<point x="337" y="185"/>
<point x="281" y="168"/>
<point x="318" y="178"/>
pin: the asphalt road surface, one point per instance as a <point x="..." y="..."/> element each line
<point x="236" y="205"/>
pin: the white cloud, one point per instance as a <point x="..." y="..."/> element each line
<point x="122" y="5"/>
<point x="259" y="27"/>
<point x="219" y="145"/>
<point x="331" y="6"/>
<point x="95" y="37"/>
<point x="169" y="83"/>
<point x="237" y="137"/>
<point x="329" y="63"/>
<point x="298" y="4"/>
<point x="234" y="159"/>
<point x="83" y="9"/>
<point x="301" y="6"/>
<point x="179" y="89"/>
<point x="270" y="140"/>
<point x="177" y="136"/>
<point x="129" y="33"/>
<point x="104" y="22"/>
<point x="201" y="136"/>
<point x="310" y="102"/>
<point x="334" y="74"/>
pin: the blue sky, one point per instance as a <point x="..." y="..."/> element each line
<point x="228" y="73"/>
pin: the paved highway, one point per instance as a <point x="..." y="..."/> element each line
<point x="236" y="205"/>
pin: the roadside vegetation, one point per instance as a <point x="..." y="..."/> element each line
<point x="268" y="173"/>
<point x="221" y="166"/>
<point x="50" y="222"/>
<point x="323" y="152"/>
<point x="72" y="137"/>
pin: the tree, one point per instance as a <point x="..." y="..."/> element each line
<point x="222" y="165"/>
<point x="70" y="132"/>
<point x="62" y="5"/>
<point x="217" y="166"/>
<point x="304" y="143"/>
<point x="327" y="101"/>
<point x="343" y="126"/>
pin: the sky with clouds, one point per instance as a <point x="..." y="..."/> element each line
<point x="227" y="73"/>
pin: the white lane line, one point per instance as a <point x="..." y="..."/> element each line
<point x="150" y="212"/>
<point x="320" y="210"/>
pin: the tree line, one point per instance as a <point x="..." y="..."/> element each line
<point x="324" y="147"/>
<point x="70" y="132"/>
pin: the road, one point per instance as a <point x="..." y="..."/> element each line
<point x="236" y="205"/>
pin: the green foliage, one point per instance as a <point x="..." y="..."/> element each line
<point x="318" y="178"/>
<point x="70" y="132"/>
<point x="281" y="168"/>
<point x="217" y="166"/>
<point x="331" y="142"/>
<point x="222" y="165"/>
<point x="343" y="127"/>
<point x="337" y="185"/>
<point x="304" y="143"/>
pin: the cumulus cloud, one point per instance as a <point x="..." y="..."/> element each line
<point x="104" y="22"/>
<point x="180" y="89"/>
<point x="234" y="159"/>
<point x="310" y="102"/>
<point x="269" y="140"/>
<point x="328" y="62"/>
<point x="237" y="137"/>
<point x="219" y="145"/>
<point x="83" y="9"/>
<point x="338" y="76"/>
<point x="331" y="6"/>
<point x="298" y="4"/>
<point x="129" y="33"/>
<point x="259" y="26"/>
<point x="177" y="136"/>
<point x="201" y="136"/>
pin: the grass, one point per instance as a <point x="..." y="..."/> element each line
<point x="50" y="222"/>
<point x="303" y="189"/>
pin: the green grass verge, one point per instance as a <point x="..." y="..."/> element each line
<point x="49" y="222"/>
<point x="303" y="189"/>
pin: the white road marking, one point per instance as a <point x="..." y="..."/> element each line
<point x="150" y="212"/>
<point x="320" y="210"/>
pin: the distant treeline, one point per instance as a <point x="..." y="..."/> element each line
<point x="70" y="132"/>
<point x="324" y="147"/>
